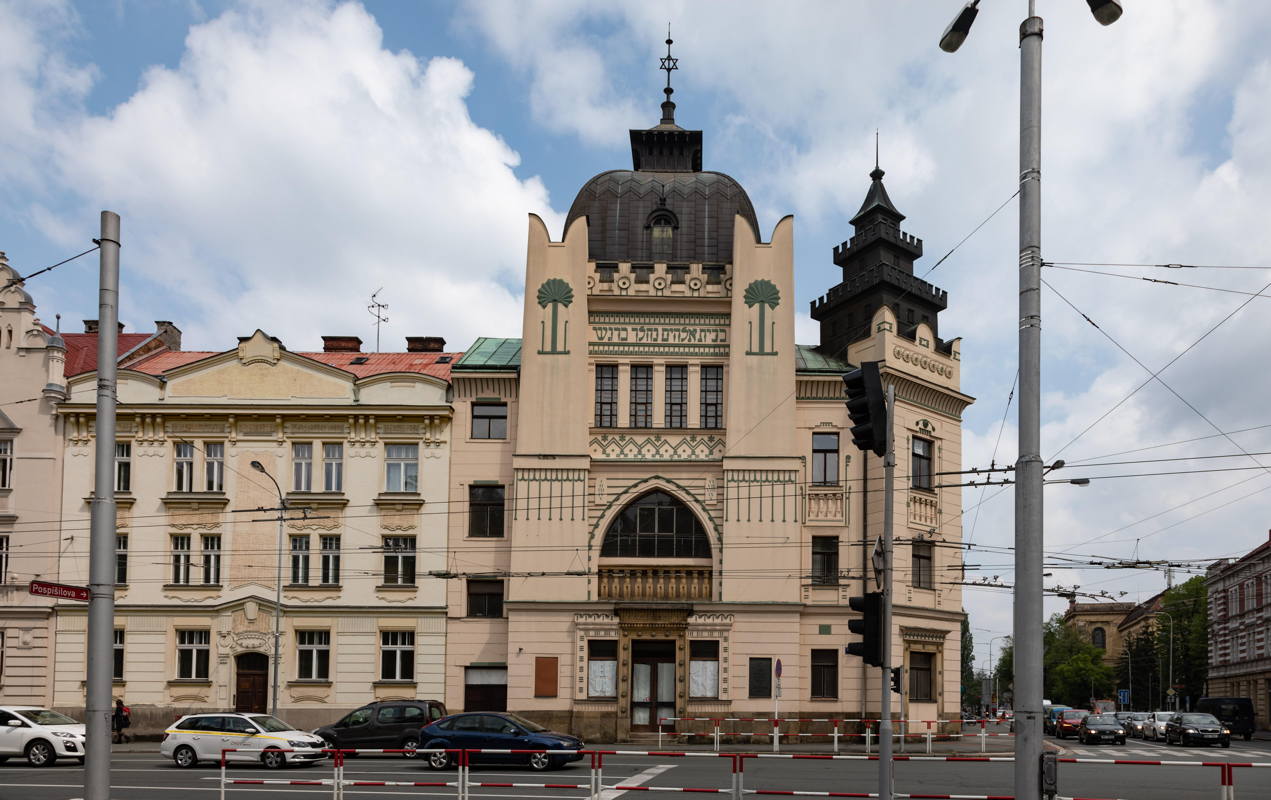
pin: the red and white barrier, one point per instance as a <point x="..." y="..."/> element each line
<point x="717" y="732"/>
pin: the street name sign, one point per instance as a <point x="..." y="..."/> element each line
<point x="59" y="590"/>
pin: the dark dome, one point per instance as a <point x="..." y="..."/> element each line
<point x="622" y="205"/>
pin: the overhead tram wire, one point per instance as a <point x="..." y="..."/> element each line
<point x="22" y="279"/>
<point x="1050" y="263"/>
<point x="993" y="458"/>
<point x="1083" y="461"/>
<point x="1159" y="281"/>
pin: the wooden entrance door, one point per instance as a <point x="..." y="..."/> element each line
<point x="251" y="692"/>
<point x="652" y="683"/>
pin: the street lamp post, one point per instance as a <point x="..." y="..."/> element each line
<point x="282" y="507"/>
<point x="993" y="669"/>
<point x="1028" y="469"/>
<point x="1173" y="697"/>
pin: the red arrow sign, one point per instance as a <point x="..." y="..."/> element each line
<point x="59" y="590"/>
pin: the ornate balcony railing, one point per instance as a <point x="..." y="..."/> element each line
<point x="923" y="510"/>
<point x="825" y="505"/>
<point x="654" y="583"/>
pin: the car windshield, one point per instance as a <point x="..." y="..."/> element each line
<point x="1199" y="719"/>
<point x="1163" y="716"/>
<point x="271" y="724"/>
<point x="1101" y="719"/>
<point x="532" y="727"/>
<point x="1074" y="714"/>
<point x="42" y="716"/>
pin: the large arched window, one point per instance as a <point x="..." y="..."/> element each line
<point x="656" y="525"/>
<point x="1099" y="639"/>
<point x="661" y="225"/>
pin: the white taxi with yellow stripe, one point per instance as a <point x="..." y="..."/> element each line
<point x="240" y="737"/>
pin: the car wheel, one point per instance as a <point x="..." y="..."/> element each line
<point x="1226" y="744"/>
<point x="273" y="758"/>
<point x="440" y="761"/>
<point x="1121" y="740"/>
<point x="1248" y="736"/>
<point x="410" y="743"/>
<point x="40" y="753"/>
<point x="3" y="759"/>
<point x="185" y="757"/>
<point x="540" y="761"/>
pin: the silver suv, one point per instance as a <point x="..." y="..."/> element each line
<point x="240" y="737"/>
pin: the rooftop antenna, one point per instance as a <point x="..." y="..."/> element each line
<point x="377" y="310"/>
<point x="58" y="320"/>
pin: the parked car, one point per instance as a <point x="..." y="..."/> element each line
<point x="1097" y="728"/>
<point x="387" y="725"/>
<point x="1235" y="713"/>
<point x="488" y="729"/>
<point x="1069" y="721"/>
<point x="1193" y="728"/>
<point x="251" y="737"/>
<point x="1154" y="728"/>
<point x="1051" y="714"/>
<point x="40" y="735"/>
<point x="1136" y="723"/>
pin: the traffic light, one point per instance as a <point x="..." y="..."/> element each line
<point x="867" y="407"/>
<point x="869" y="626"/>
<point x="897" y="679"/>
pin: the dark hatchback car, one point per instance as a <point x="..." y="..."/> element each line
<point x="387" y="725"/>
<point x="1193" y="728"/>
<point x="1101" y="728"/>
<point x="497" y="730"/>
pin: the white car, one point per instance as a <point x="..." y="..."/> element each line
<point x="1154" y="728"/>
<point x="41" y="735"/>
<point x="240" y="737"/>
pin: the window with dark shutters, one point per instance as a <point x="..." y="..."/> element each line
<point x="545" y="676"/>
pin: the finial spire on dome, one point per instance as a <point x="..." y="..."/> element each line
<point x="669" y="63"/>
<point x="876" y="199"/>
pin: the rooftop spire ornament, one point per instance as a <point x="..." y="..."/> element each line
<point x="669" y="63"/>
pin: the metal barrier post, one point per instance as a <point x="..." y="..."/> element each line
<point x="337" y="775"/>
<point x="1227" y="789"/>
<point x="739" y="776"/>
<point x="463" y="775"/>
<point x="867" y="737"/>
<point x="596" y="780"/>
<point x="928" y="742"/>
<point x="836" y="737"/>
<point x="983" y="738"/>
<point x="902" y="736"/>
<point x="715" y="723"/>
<point x="222" y="775"/>
<point x="660" y="733"/>
<point x="776" y="735"/>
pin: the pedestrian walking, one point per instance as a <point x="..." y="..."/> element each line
<point x="120" y="721"/>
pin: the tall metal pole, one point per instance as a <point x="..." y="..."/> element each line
<point x="1028" y="469"/>
<point x="101" y="546"/>
<point x="884" y="706"/>
<point x="1174" y="697"/>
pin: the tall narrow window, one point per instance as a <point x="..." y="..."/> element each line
<point x="4" y="559"/>
<point x="313" y="655"/>
<point x="490" y="421"/>
<point x="825" y="459"/>
<point x="920" y="466"/>
<point x="214" y="466"/>
<point x="485" y="511"/>
<point x="924" y="572"/>
<point x="606" y="395"/>
<point x="641" y="396"/>
<point x="117" y="668"/>
<point x="401" y="468"/>
<point x="121" y="559"/>
<point x="712" y="397"/>
<point x="123" y="467"/>
<point x="703" y="668"/>
<point x="485" y="598"/>
<point x="184" y="467"/>
<point x="302" y="467"/>
<point x="921" y="684"/>
<point x="676" y="396"/>
<point x="399" y="560"/>
<point x="181" y="559"/>
<point x="1099" y="638"/>
<point x="299" y="560"/>
<point x="760" y="677"/>
<point x="193" y="648"/>
<point x="333" y="467"/>
<point x="6" y="463"/>
<point x="602" y="667"/>
<point x="397" y="656"/>
<point x="331" y="560"/>
<point x="212" y="559"/>
<point x="825" y="560"/>
<point x="662" y="239"/>
<point x="825" y="673"/>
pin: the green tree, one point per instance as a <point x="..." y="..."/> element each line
<point x="1187" y="603"/>
<point x="1073" y="672"/>
<point x="970" y="682"/>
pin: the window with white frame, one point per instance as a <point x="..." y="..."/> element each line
<point x="397" y="655"/>
<point x="300" y="560"/>
<point x="313" y="655"/>
<point x="123" y="466"/>
<point x="333" y="467"/>
<point x="193" y="648"/>
<point x="181" y="559"/>
<point x="602" y="667"/>
<point x="211" y="558"/>
<point x="330" y="560"/>
<point x="302" y="467"/>
<point x="214" y="466"/>
<point x="6" y="463"/>
<point x="399" y="560"/>
<point x="401" y="468"/>
<point x="703" y="668"/>
<point x="117" y="668"/>
<point x="121" y="558"/>
<point x="184" y="466"/>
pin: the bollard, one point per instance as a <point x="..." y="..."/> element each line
<point x="836" y="737"/>
<point x="739" y="772"/>
<point x="867" y="738"/>
<point x="716" y="723"/>
<point x="928" y="742"/>
<point x="596" y="776"/>
<point x="902" y="736"/>
<point x="776" y="735"/>
<point x="222" y="775"/>
<point x="659" y="734"/>
<point x="983" y="738"/>
<point x="1227" y="789"/>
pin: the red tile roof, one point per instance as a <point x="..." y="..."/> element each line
<point x="376" y="363"/>
<point x="81" y="349"/>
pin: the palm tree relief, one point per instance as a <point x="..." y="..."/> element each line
<point x="554" y="292"/>
<point x="763" y="293"/>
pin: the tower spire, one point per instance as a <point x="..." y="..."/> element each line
<point x="669" y="63"/>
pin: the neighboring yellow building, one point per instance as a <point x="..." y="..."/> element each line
<point x="359" y="446"/>
<point x="663" y="499"/>
<point x="1100" y="624"/>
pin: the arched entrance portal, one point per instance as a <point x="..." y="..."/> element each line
<point x="251" y="687"/>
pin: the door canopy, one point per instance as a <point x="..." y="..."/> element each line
<point x="656" y="525"/>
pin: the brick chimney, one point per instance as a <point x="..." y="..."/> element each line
<point x="341" y="344"/>
<point x="425" y="344"/>
<point x="168" y="333"/>
<point x="91" y="326"/>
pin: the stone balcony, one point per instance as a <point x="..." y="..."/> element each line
<point x="653" y="584"/>
<point x="825" y="506"/>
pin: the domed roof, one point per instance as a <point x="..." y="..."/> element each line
<point x="622" y="205"/>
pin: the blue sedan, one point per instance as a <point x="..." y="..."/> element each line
<point x="488" y="730"/>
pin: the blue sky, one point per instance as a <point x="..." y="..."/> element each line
<point x="275" y="163"/>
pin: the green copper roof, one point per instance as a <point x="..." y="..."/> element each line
<point x="491" y="354"/>
<point x="808" y="359"/>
